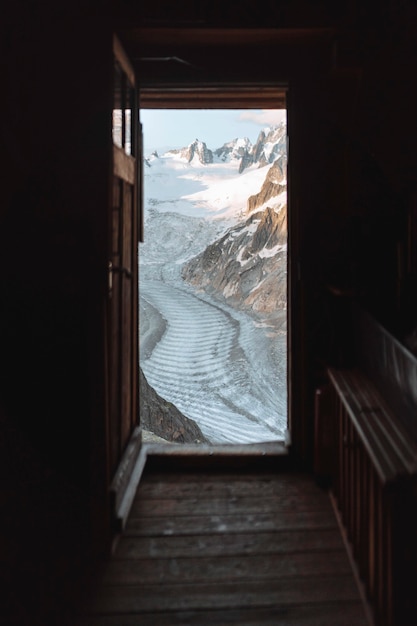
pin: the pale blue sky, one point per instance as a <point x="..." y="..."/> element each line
<point x="176" y="128"/>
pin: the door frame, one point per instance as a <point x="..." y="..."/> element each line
<point x="124" y="230"/>
<point x="248" y="96"/>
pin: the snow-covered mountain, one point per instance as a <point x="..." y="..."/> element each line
<point x="199" y="151"/>
<point x="234" y="150"/>
<point x="271" y="143"/>
<point x="247" y="266"/>
<point x="213" y="266"/>
<point x="198" y="181"/>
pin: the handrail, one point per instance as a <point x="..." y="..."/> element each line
<point x="374" y="480"/>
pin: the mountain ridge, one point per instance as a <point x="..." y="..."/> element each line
<point x="269" y="145"/>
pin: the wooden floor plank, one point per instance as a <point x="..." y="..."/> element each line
<point x="286" y="541"/>
<point x="205" y="548"/>
<point x="225" y="568"/>
<point x="236" y="489"/>
<point x="227" y="485"/>
<point x="294" y="591"/>
<point x="228" y="505"/>
<point x="323" y="614"/>
<point x="203" y="524"/>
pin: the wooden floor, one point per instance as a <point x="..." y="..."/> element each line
<point x="229" y="548"/>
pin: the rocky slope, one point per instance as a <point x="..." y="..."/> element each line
<point x="274" y="185"/>
<point x="247" y="266"/>
<point x="163" y="418"/>
<point x="270" y="145"/>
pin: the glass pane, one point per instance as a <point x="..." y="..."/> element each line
<point x="129" y="119"/>
<point x="117" y="106"/>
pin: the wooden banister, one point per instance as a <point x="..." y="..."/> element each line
<point x="374" y="482"/>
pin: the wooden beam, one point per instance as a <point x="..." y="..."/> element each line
<point x="123" y="59"/>
<point x="124" y="165"/>
<point x="232" y="37"/>
<point x="219" y="97"/>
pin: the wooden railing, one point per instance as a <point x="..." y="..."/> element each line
<point x="374" y="469"/>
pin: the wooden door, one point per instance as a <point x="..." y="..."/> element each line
<point x="123" y="372"/>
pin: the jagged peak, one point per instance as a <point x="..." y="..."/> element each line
<point x="234" y="149"/>
<point x="154" y="156"/>
<point x="197" y="148"/>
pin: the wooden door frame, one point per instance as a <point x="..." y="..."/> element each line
<point x="247" y="96"/>
<point x="234" y="96"/>
<point x="125" y="169"/>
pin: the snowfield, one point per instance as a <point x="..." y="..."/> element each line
<point x="212" y="190"/>
<point x="214" y="363"/>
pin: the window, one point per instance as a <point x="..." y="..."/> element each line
<point x="123" y="107"/>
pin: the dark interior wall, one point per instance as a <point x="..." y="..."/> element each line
<point x="387" y="131"/>
<point x="55" y="129"/>
<point x="312" y="217"/>
<point x="353" y="192"/>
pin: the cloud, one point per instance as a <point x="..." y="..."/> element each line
<point x="266" y="117"/>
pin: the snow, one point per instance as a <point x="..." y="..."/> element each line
<point x="266" y="253"/>
<point x="268" y="149"/>
<point x="229" y="290"/>
<point x="214" y="190"/>
<point x="239" y="258"/>
<point x="226" y="195"/>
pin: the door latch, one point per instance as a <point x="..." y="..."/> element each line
<point x="120" y="270"/>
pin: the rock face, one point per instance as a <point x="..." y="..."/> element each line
<point x="199" y="150"/>
<point x="270" y="144"/>
<point x="195" y="150"/>
<point x="247" y="266"/>
<point x="234" y="150"/>
<point x="153" y="157"/>
<point x="164" y="419"/>
<point x="275" y="183"/>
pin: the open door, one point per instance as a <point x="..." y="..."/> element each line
<point x="123" y="375"/>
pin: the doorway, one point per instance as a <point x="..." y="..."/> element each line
<point x="213" y="270"/>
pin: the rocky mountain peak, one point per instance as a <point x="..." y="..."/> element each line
<point x="270" y="145"/>
<point x="274" y="184"/>
<point x="197" y="149"/>
<point x="234" y="149"/>
<point x="258" y="147"/>
<point x="150" y="159"/>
